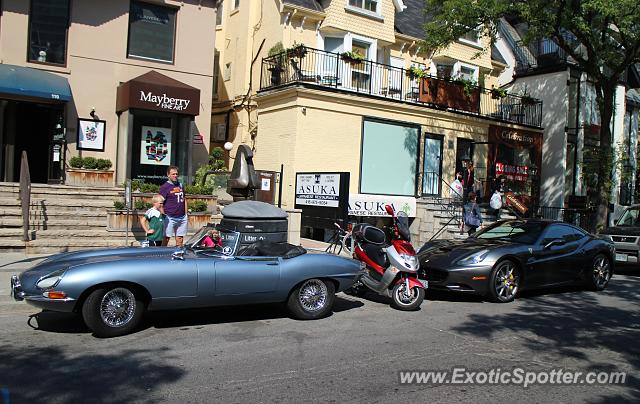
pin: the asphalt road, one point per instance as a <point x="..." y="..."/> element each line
<point x="258" y="354"/>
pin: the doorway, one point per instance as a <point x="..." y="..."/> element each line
<point x="464" y="152"/>
<point x="30" y="127"/>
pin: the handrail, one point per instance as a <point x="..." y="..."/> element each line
<point x="25" y="194"/>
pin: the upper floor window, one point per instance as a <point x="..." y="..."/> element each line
<point x="152" y="31"/>
<point x="472" y="36"/>
<point x="48" y="24"/>
<point x="219" y="12"/>
<point x="236" y="4"/>
<point x="469" y="73"/>
<point x="369" y="5"/>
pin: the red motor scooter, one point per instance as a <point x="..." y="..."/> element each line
<point x="392" y="269"/>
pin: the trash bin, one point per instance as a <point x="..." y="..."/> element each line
<point x="255" y="221"/>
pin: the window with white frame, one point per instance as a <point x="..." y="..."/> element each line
<point x="472" y="36"/>
<point x="367" y="5"/>
<point x="467" y="72"/>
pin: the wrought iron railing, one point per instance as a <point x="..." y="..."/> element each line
<point x="319" y="68"/>
<point x="584" y="218"/>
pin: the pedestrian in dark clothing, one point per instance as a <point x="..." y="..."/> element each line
<point x="468" y="180"/>
<point x="472" y="215"/>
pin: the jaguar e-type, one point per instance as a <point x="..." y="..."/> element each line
<point x="509" y="256"/>
<point x="113" y="288"/>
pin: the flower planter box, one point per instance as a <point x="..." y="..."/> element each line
<point x="89" y="178"/>
<point x="117" y="220"/>
<point x="449" y="94"/>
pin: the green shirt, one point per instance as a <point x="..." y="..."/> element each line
<point x="156" y="223"/>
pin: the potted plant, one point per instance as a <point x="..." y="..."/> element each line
<point x="468" y="86"/>
<point x="414" y="72"/>
<point x="89" y="171"/>
<point x="527" y="99"/>
<point x="297" y="50"/>
<point x="277" y="59"/>
<point x="353" y="58"/>
<point x="497" y="93"/>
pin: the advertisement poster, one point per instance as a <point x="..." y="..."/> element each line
<point x="318" y="190"/>
<point x="155" y="147"/>
<point x="91" y="134"/>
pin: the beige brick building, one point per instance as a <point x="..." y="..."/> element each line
<point x="92" y="78"/>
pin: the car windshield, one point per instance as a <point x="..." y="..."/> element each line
<point x="630" y="217"/>
<point x="517" y="231"/>
<point x="214" y="240"/>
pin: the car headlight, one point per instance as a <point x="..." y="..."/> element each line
<point x="474" y="258"/>
<point x="50" y="280"/>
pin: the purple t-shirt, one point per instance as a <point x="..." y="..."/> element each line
<point x="173" y="199"/>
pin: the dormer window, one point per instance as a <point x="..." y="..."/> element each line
<point x="369" y="5"/>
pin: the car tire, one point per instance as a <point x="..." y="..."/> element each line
<point x="599" y="274"/>
<point x="415" y="301"/>
<point x="112" y="311"/>
<point x="504" y="282"/>
<point x="311" y="299"/>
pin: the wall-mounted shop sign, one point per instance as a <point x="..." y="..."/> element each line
<point x="157" y="92"/>
<point x="513" y="200"/>
<point x="512" y="172"/>
<point x="373" y="205"/>
<point x="317" y="189"/>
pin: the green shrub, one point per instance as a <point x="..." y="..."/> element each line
<point x="90" y="163"/>
<point x="217" y="153"/>
<point x="75" y="162"/>
<point x="142" y="205"/>
<point x="197" y="206"/>
<point x="104" y="164"/>
<point x="152" y="188"/>
<point x="118" y="205"/>
<point x="136" y="185"/>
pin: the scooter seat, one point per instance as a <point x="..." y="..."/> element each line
<point x="375" y="253"/>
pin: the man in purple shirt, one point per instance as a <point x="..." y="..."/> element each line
<point x="175" y="208"/>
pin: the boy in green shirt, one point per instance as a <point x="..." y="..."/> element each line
<point x="153" y="222"/>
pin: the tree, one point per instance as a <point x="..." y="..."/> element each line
<point x="602" y="36"/>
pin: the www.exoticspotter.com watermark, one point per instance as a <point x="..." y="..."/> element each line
<point x="515" y="376"/>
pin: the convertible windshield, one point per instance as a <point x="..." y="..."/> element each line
<point x="515" y="231"/>
<point x="630" y="217"/>
<point x="212" y="239"/>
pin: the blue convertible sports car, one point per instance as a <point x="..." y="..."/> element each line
<point x="112" y="288"/>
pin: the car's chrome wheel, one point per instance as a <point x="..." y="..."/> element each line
<point x="117" y="307"/>
<point x="112" y="311"/>
<point x="601" y="272"/>
<point x="313" y="295"/>
<point x="505" y="282"/>
<point x="311" y="299"/>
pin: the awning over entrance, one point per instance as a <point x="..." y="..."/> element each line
<point x="26" y="82"/>
<point x="155" y="91"/>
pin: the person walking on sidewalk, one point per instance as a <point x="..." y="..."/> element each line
<point x="153" y="222"/>
<point x="175" y="208"/>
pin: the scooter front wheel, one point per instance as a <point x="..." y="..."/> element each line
<point x="406" y="301"/>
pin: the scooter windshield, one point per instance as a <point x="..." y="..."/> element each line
<point x="403" y="225"/>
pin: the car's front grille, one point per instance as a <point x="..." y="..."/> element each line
<point x="435" y="275"/>
<point x="624" y="239"/>
<point x="632" y="253"/>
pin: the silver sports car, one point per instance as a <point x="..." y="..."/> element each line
<point x="113" y="288"/>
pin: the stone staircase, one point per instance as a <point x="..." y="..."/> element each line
<point x="61" y="218"/>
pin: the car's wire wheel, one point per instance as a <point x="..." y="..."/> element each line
<point x="601" y="272"/>
<point x="506" y="281"/>
<point x="313" y="295"/>
<point x="117" y="307"/>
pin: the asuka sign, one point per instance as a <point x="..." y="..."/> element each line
<point x="373" y="205"/>
<point x="317" y="189"/>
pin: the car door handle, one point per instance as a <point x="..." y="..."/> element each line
<point x="272" y="263"/>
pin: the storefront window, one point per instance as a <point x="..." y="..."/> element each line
<point x="151" y="32"/>
<point x="48" y="23"/>
<point x="389" y="158"/>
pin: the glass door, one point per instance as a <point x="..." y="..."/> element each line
<point x="432" y="167"/>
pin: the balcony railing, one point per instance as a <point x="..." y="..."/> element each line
<point x="332" y="70"/>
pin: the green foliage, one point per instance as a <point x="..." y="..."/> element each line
<point x="118" y="205"/>
<point x="352" y="57"/>
<point x="75" y="162"/>
<point x="217" y="153"/>
<point x="90" y="163"/>
<point x="276" y="49"/>
<point x="136" y="185"/>
<point x="142" y="205"/>
<point x="198" y="189"/>
<point x="416" y="72"/>
<point x="468" y="86"/>
<point x="149" y="188"/>
<point x="197" y="206"/>
<point x="278" y="54"/>
<point x="103" y="164"/>
<point x="497" y="92"/>
<point x="213" y="181"/>
<point x="297" y="50"/>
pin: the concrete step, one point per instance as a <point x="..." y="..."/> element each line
<point x="6" y="187"/>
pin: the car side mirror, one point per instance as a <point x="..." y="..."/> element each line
<point x="552" y="243"/>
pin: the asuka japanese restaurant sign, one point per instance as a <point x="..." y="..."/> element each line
<point x="317" y="189"/>
<point x="373" y="205"/>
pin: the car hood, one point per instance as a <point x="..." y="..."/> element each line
<point x="72" y="259"/>
<point x="452" y="250"/>
<point x="622" y="230"/>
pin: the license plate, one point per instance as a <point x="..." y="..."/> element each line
<point x="424" y="282"/>
<point x="622" y="257"/>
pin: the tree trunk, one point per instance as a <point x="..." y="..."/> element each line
<point x="606" y="107"/>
